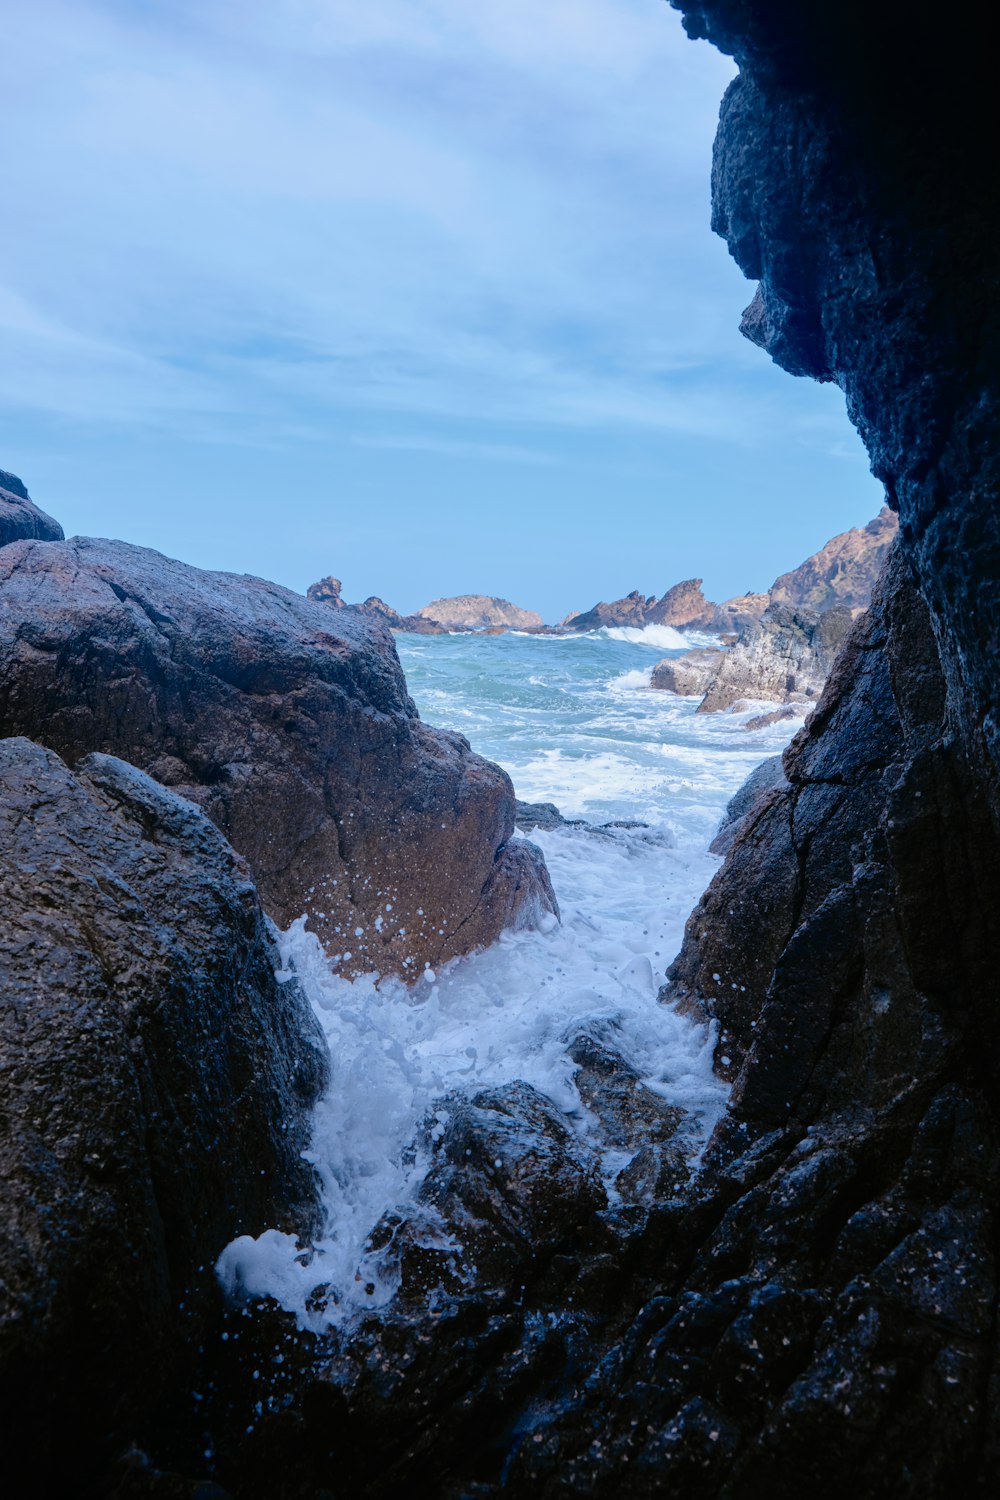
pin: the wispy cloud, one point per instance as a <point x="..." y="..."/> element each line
<point x="418" y="205"/>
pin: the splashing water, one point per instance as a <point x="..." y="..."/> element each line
<point x="574" y="722"/>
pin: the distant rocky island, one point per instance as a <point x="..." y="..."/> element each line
<point x="778" y="646"/>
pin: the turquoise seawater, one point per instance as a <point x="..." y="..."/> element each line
<point x="573" y="721"/>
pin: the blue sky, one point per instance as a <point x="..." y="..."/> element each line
<point x="417" y="292"/>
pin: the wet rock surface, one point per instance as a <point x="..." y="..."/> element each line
<point x="20" y="517"/>
<point x="817" y="1313"/>
<point x="289" y="724"/>
<point x="767" y="777"/>
<point x="157" y="1083"/>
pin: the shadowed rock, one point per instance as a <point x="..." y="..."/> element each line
<point x="156" y="1086"/>
<point x="289" y="724"/>
<point x="20" y="517"/>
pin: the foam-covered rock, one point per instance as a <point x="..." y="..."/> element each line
<point x="289" y="724"/>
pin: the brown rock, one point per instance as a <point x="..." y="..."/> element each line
<point x="843" y="572"/>
<point x="156" y="1083"/>
<point x="290" y="725"/>
<point x="326" y="591"/>
<point x="479" y="612"/>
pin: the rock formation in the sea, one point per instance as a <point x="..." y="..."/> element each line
<point x="479" y="612"/>
<point x="784" y="657"/>
<point x="785" y="648"/>
<point x="327" y="591"/>
<point x="691" y="674"/>
<point x="844" y="572"/>
<point x="157" y="1082"/>
<point x="290" y="725"/>
<point x="20" y="517"/>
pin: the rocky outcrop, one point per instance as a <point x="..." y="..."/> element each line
<point x="157" y="1080"/>
<point x="629" y="611"/>
<point x="690" y="675"/>
<point x="816" y="1314"/>
<point x="843" y="573"/>
<point x="684" y="607"/>
<point x="478" y="612"/>
<point x="784" y="657"/>
<point x="20" y="517"/>
<point x="327" y="591"/>
<point x="289" y="724"/>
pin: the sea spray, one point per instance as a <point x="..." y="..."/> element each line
<point x="584" y="730"/>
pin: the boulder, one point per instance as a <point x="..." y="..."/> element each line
<point x="289" y="724"/>
<point x="20" y="517"/>
<point x="689" y="675"/>
<point x="157" y="1080"/>
<point x="478" y="612"/>
<point x="784" y="656"/>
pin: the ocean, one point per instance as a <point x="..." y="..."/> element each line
<point x="573" y="721"/>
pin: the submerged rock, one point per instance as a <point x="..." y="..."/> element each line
<point x="156" y="1086"/>
<point x="289" y="724"/>
<point x="20" y="517"/>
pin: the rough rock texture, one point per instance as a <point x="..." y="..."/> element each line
<point x="786" y="655"/>
<point x="156" y="1083"/>
<point x="684" y="605"/>
<point x="290" y="725"/>
<point x="763" y="779"/>
<point x="690" y="675"/>
<point x="742" y="610"/>
<point x="477" y="612"/>
<point x="629" y="611"/>
<point x="844" y="572"/>
<point x="327" y="591"/>
<point x="817" y="1315"/>
<point x="20" y="516"/>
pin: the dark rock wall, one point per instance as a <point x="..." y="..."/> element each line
<point x="157" y="1084"/>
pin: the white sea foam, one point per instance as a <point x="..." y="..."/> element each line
<point x="582" y="730"/>
<point x="660" y="637"/>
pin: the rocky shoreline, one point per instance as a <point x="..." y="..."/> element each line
<point x="815" y="1309"/>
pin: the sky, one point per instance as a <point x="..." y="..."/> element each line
<point x="420" y="293"/>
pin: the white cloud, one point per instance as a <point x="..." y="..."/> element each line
<point x="489" y="211"/>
